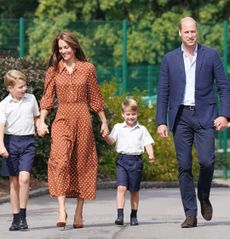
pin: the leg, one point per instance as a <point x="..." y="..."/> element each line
<point x="14" y="194"/>
<point x="14" y="200"/>
<point x="78" y="216"/>
<point x="121" y="191"/>
<point x="62" y="215"/>
<point x="134" y="201"/>
<point x="24" y="184"/>
<point x="206" y="157"/>
<point x="183" y="138"/>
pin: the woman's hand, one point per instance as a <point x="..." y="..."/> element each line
<point x="104" y="129"/>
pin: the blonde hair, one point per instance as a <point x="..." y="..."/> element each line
<point x="186" y="19"/>
<point x="129" y="103"/>
<point x="12" y="77"/>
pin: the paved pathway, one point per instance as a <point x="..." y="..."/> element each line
<point x="160" y="215"/>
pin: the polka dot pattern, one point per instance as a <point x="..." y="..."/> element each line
<point x="72" y="166"/>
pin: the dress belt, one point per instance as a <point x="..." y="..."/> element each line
<point x="188" y="107"/>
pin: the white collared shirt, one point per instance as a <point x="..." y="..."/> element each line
<point x="190" y="71"/>
<point x="130" y="141"/>
<point x="18" y="116"/>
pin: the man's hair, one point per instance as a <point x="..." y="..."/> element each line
<point x="129" y="103"/>
<point x="186" y="18"/>
<point x="12" y="77"/>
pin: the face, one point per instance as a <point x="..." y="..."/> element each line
<point x="130" y="117"/>
<point x="188" y="33"/>
<point x="19" y="90"/>
<point x="66" y="51"/>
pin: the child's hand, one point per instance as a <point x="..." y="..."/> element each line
<point x="42" y="129"/>
<point x="3" y="152"/>
<point x="152" y="159"/>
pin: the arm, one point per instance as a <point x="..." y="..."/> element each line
<point x="109" y="139"/>
<point x="104" y="126"/>
<point x="163" y="94"/>
<point x="3" y="152"/>
<point x="150" y="152"/>
<point x="42" y="127"/>
<point x="224" y="93"/>
<point x="47" y="101"/>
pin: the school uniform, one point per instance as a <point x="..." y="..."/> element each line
<point x="130" y="144"/>
<point x="19" y="133"/>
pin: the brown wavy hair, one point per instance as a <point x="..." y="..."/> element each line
<point x="72" y="41"/>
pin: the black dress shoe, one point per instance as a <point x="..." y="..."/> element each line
<point x="23" y="224"/>
<point x="206" y="209"/>
<point x="190" y="221"/>
<point x="14" y="226"/>
<point x="119" y="221"/>
<point x="133" y="221"/>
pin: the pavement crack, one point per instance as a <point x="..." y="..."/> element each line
<point x="118" y="233"/>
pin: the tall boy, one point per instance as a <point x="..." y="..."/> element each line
<point x="131" y="138"/>
<point x="18" y="114"/>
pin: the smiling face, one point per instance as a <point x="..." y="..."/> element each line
<point x="130" y="116"/>
<point x="18" y="90"/>
<point x="65" y="51"/>
<point x="188" y="32"/>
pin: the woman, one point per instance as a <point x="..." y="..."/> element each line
<point x="72" y="165"/>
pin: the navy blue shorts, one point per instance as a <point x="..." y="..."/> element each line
<point x="21" y="151"/>
<point x="129" y="171"/>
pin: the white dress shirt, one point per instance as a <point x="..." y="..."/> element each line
<point x="190" y="71"/>
<point x="130" y="141"/>
<point x="18" y="116"/>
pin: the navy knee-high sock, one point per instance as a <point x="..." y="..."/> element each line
<point x="22" y="213"/>
<point x="120" y="212"/>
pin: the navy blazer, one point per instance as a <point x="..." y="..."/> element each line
<point x="209" y="76"/>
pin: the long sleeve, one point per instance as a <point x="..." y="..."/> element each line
<point x="48" y="97"/>
<point x="94" y="96"/>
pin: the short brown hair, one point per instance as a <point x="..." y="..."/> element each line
<point x="129" y="103"/>
<point x="11" y="77"/>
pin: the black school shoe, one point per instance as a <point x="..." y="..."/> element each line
<point x="14" y="226"/>
<point x="133" y="221"/>
<point x="23" y="224"/>
<point x="119" y="221"/>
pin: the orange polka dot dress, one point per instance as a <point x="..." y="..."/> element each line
<point x="72" y="165"/>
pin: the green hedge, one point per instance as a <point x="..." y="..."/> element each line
<point x="165" y="169"/>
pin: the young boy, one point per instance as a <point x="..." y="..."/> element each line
<point x="131" y="138"/>
<point x="18" y="114"/>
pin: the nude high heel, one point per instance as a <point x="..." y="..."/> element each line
<point x="62" y="224"/>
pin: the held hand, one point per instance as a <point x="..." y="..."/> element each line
<point x="152" y="160"/>
<point x="3" y="152"/>
<point x="42" y="129"/>
<point x="162" y="130"/>
<point x="104" y="130"/>
<point x="220" y="123"/>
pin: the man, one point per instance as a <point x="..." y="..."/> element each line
<point x="186" y="93"/>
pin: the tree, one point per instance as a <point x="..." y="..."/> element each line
<point x="152" y="26"/>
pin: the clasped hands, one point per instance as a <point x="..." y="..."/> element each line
<point x="42" y="129"/>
